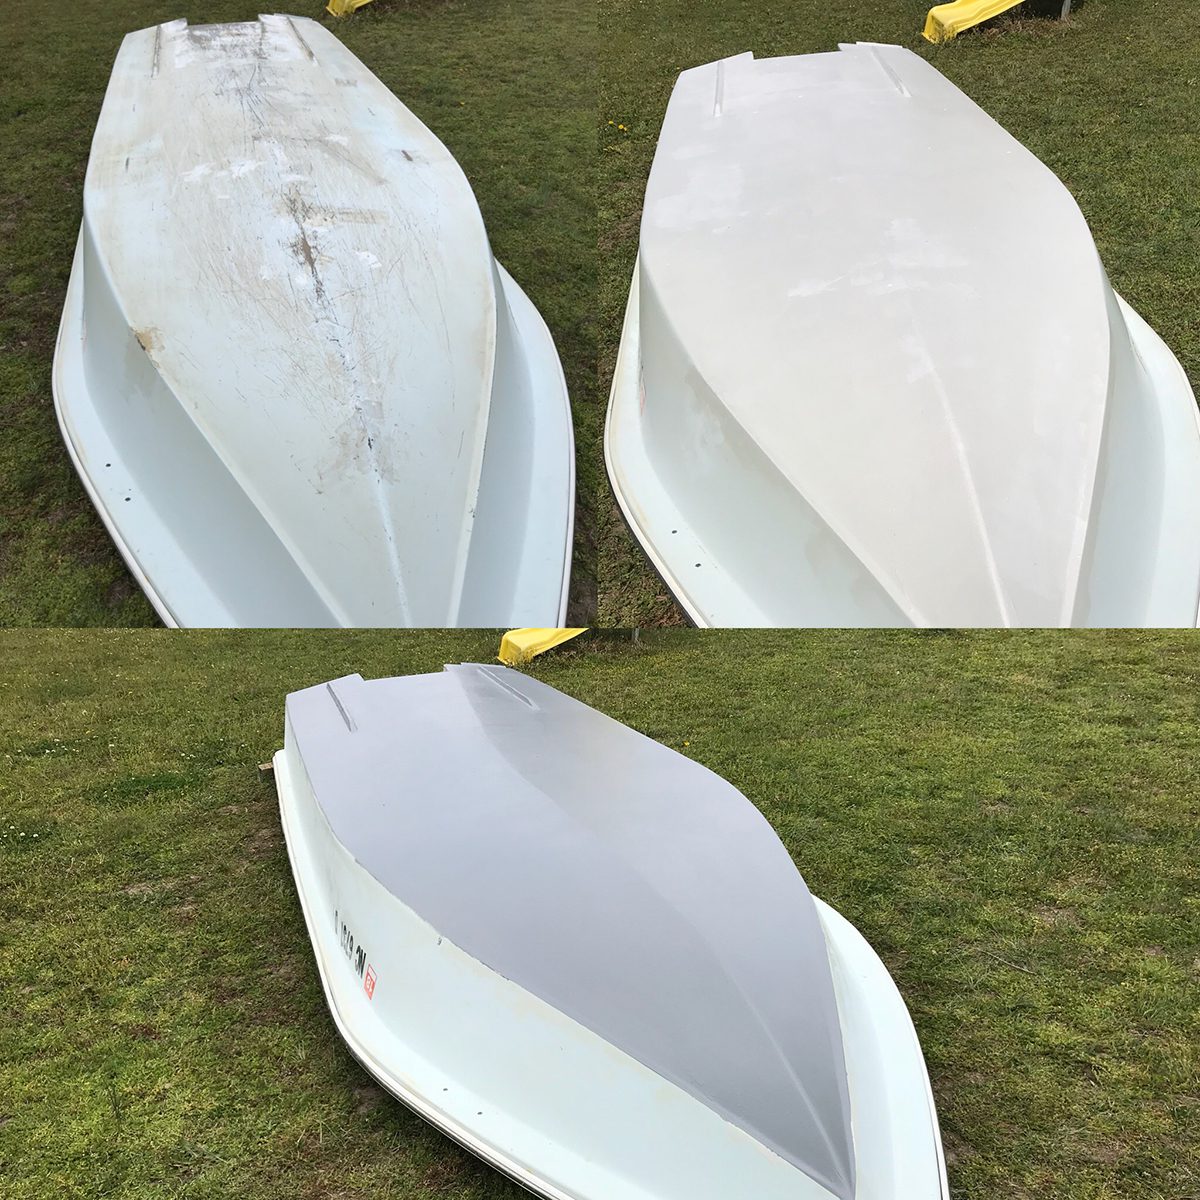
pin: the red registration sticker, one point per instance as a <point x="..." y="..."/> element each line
<point x="369" y="982"/>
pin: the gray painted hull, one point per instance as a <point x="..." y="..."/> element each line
<point x="586" y="957"/>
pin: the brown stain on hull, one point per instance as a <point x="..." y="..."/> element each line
<point x="150" y="339"/>
<point x="300" y="246"/>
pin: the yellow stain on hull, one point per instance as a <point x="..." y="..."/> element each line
<point x="518" y="646"/>
<point x="949" y="20"/>
<point x="343" y="8"/>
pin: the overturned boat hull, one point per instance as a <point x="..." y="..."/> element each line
<point x="872" y="371"/>
<point x="595" y="992"/>
<point x="297" y="386"/>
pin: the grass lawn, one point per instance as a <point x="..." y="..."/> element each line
<point x="1110" y="100"/>
<point x="508" y="86"/>
<point x="1010" y="820"/>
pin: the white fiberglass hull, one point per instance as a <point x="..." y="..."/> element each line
<point x="296" y="385"/>
<point x="865" y="380"/>
<point x="535" y="1092"/>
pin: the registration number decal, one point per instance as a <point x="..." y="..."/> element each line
<point x="356" y="955"/>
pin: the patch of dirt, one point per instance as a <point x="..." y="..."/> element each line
<point x="444" y="1174"/>
<point x="264" y="841"/>
<point x="119" y="591"/>
<point x="367" y="1098"/>
<point x="227" y="993"/>
<point x="583" y="596"/>
<point x="1057" y="917"/>
<point x="149" y="887"/>
<point x="957" y="1150"/>
<point x="1107" y="1154"/>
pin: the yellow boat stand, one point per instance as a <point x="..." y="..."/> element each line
<point x="946" y="21"/>
<point x="518" y="646"/>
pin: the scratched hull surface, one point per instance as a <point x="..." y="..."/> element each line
<point x="872" y="370"/>
<point x="588" y="958"/>
<point x="294" y="380"/>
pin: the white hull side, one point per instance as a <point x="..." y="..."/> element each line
<point x="1131" y="578"/>
<point x="548" y="1102"/>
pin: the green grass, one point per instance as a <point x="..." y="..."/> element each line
<point x="508" y="86"/>
<point x="1010" y="820"/>
<point x="1109" y="99"/>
